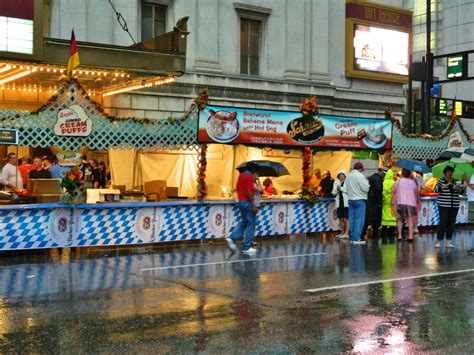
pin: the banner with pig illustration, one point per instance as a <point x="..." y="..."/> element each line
<point x="232" y="125"/>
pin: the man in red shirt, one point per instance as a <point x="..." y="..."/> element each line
<point x="25" y="167"/>
<point x="248" y="211"/>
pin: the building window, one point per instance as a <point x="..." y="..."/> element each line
<point x="250" y="35"/>
<point x="153" y="20"/>
<point x="16" y="35"/>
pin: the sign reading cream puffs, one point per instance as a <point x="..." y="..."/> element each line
<point x="73" y="122"/>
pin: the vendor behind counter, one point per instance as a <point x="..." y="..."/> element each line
<point x="326" y="185"/>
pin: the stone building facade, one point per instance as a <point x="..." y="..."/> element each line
<point x="295" y="48"/>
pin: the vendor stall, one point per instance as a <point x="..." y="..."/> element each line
<point x="71" y="120"/>
<point x="421" y="146"/>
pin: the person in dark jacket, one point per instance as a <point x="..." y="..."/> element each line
<point x="39" y="171"/>
<point x="373" y="216"/>
<point x="326" y="184"/>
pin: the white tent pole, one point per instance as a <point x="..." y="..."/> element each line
<point x="134" y="176"/>
<point x="16" y="170"/>
<point x="183" y="170"/>
<point x="234" y="150"/>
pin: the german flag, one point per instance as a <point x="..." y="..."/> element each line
<point x="73" y="61"/>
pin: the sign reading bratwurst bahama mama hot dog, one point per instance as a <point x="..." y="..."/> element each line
<point x="231" y="125"/>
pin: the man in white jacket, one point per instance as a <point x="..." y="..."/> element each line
<point x="11" y="176"/>
<point x="357" y="187"/>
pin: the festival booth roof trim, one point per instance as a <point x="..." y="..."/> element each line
<point x="424" y="146"/>
<point x="36" y="129"/>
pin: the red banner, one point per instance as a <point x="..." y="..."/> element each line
<point x="23" y="9"/>
<point x="372" y="13"/>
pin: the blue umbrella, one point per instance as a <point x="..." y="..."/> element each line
<point x="266" y="168"/>
<point x="413" y="165"/>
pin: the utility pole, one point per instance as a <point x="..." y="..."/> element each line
<point x="410" y="93"/>
<point x="429" y="72"/>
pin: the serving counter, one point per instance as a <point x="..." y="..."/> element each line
<point x="38" y="226"/>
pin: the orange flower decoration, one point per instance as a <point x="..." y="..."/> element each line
<point x="309" y="107"/>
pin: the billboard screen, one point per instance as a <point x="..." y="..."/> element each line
<point x="380" y="50"/>
<point x="378" y="41"/>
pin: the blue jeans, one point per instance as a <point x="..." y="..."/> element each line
<point x="246" y="226"/>
<point x="356" y="218"/>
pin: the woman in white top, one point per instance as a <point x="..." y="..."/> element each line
<point x="342" y="203"/>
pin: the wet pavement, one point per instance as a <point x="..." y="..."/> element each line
<point x="298" y="294"/>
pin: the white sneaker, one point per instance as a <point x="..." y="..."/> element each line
<point x="362" y="242"/>
<point x="343" y="236"/>
<point x="249" y="251"/>
<point x="449" y="245"/>
<point x="231" y="244"/>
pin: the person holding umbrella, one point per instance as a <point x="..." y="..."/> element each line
<point x="248" y="211"/>
<point x="448" y="206"/>
<point x="470" y="199"/>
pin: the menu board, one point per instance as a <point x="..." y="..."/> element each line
<point x="8" y="136"/>
<point x="231" y="125"/>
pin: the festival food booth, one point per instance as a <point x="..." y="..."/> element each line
<point x="165" y="157"/>
<point x="408" y="145"/>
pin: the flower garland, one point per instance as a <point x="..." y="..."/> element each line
<point x="199" y="102"/>
<point x="452" y="123"/>
<point x="201" y="180"/>
<point x="309" y="107"/>
<point x="307" y="153"/>
<point x="307" y="192"/>
<point x="202" y="100"/>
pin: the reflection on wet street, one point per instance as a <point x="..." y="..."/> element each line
<point x="298" y="294"/>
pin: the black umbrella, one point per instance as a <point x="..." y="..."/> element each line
<point x="413" y="165"/>
<point x="458" y="152"/>
<point x="265" y="168"/>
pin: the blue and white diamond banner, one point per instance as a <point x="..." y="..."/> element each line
<point x="66" y="226"/>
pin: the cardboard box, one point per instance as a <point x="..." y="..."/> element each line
<point x="102" y="195"/>
<point x="172" y="191"/>
<point x="156" y="188"/>
<point x="119" y="187"/>
<point x="154" y="197"/>
<point x="214" y="190"/>
<point x="44" y="186"/>
<point x="47" y="198"/>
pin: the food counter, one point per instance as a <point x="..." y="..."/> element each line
<point x="55" y="225"/>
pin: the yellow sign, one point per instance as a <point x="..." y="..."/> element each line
<point x="458" y="108"/>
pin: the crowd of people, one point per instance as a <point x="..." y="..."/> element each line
<point x="383" y="203"/>
<point x="16" y="172"/>
<point x="369" y="207"/>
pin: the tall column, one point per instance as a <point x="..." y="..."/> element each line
<point x="319" y="39"/>
<point x="207" y="36"/>
<point x="295" y="44"/>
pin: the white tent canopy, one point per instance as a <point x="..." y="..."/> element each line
<point x="179" y="168"/>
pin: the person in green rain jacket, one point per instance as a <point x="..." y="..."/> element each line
<point x="389" y="221"/>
